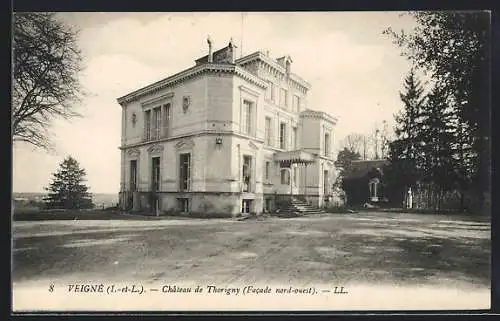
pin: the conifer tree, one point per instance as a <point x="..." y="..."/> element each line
<point x="404" y="151"/>
<point x="67" y="189"/>
<point x="437" y="141"/>
<point x="454" y="49"/>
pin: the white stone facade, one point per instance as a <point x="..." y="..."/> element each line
<point x="218" y="136"/>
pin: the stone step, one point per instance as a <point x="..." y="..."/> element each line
<point x="297" y="207"/>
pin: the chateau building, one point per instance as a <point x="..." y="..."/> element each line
<point x="225" y="136"/>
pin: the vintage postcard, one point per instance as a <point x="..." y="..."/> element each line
<point x="251" y="161"/>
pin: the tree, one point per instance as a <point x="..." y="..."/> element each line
<point x="404" y="151"/>
<point x="454" y="49"/>
<point x="384" y="140"/>
<point x="343" y="164"/>
<point x="358" y="143"/>
<point x="437" y="141"/>
<point x="67" y="189"/>
<point x="344" y="160"/>
<point x="46" y="86"/>
<point x="353" y="142"/>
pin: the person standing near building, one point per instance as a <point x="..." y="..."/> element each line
<point x="409" y="198"/>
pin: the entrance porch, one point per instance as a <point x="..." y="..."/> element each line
<point x="293" y="167"/>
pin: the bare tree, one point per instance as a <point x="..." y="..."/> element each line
<point x="384" y="139"/>
<point x="353" y="142"/>
<point x="46" y="63"/>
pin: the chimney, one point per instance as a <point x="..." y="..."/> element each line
<point x="288" y="62"/>
<point x="232" y="51"/>
<point x="281" y="61"/>
<point x="285" y="62"/>
<point x="210" y="54"/>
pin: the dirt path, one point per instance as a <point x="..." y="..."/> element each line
<point x="374" y="251"/>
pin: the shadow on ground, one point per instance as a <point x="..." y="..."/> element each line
<point x="374" y="247"/>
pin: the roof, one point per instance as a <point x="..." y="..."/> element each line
<point x="274" y="64"/>
<point x="361" y="168"/>
<point x="294" y="156"/>
<point x="224" y="60"/>
<point x="188" y="73"/>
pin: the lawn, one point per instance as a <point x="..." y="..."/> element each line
<point x="364" y="248"/>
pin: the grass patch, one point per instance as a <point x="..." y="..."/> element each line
<point x="338" y="210"/>
<point x="66" y="215"/>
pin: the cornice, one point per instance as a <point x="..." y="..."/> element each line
<point x="309" y="113"/>
<point x="186" y="138"/>
<point x="188" y="74"/>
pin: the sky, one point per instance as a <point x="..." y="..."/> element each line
<point x="355" y="72"/>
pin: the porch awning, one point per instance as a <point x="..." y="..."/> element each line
<point x="293" y="157"/>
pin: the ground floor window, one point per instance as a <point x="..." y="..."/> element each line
<point x="247" y="173"/>
<point x="184" y="171"/>
<point x="246" y="205"/>
<point x="183" y="205"/>
<point x="373" y="189"/>
<point x="267" y="205"/>
<point x="285" y="176"/>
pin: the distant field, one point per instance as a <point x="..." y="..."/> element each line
<point x="23" y="200"/>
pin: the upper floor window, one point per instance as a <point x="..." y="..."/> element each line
<point x="294" y="138"/>
<point x="267" y="131"/>
<point x="283" y="97"/>
<point x="296" y="103"/>
<point x="282" y="135"/>
<point x="157" y="122"/>
<point x="327" y="144"/>
<point x="267" y="170"/>
<point x="247" y="117"/>
<point x="167" y="120"/>
<point x="156" y="129"/>
<point x="147" y="126"/>
<point x="270" y="90"/>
